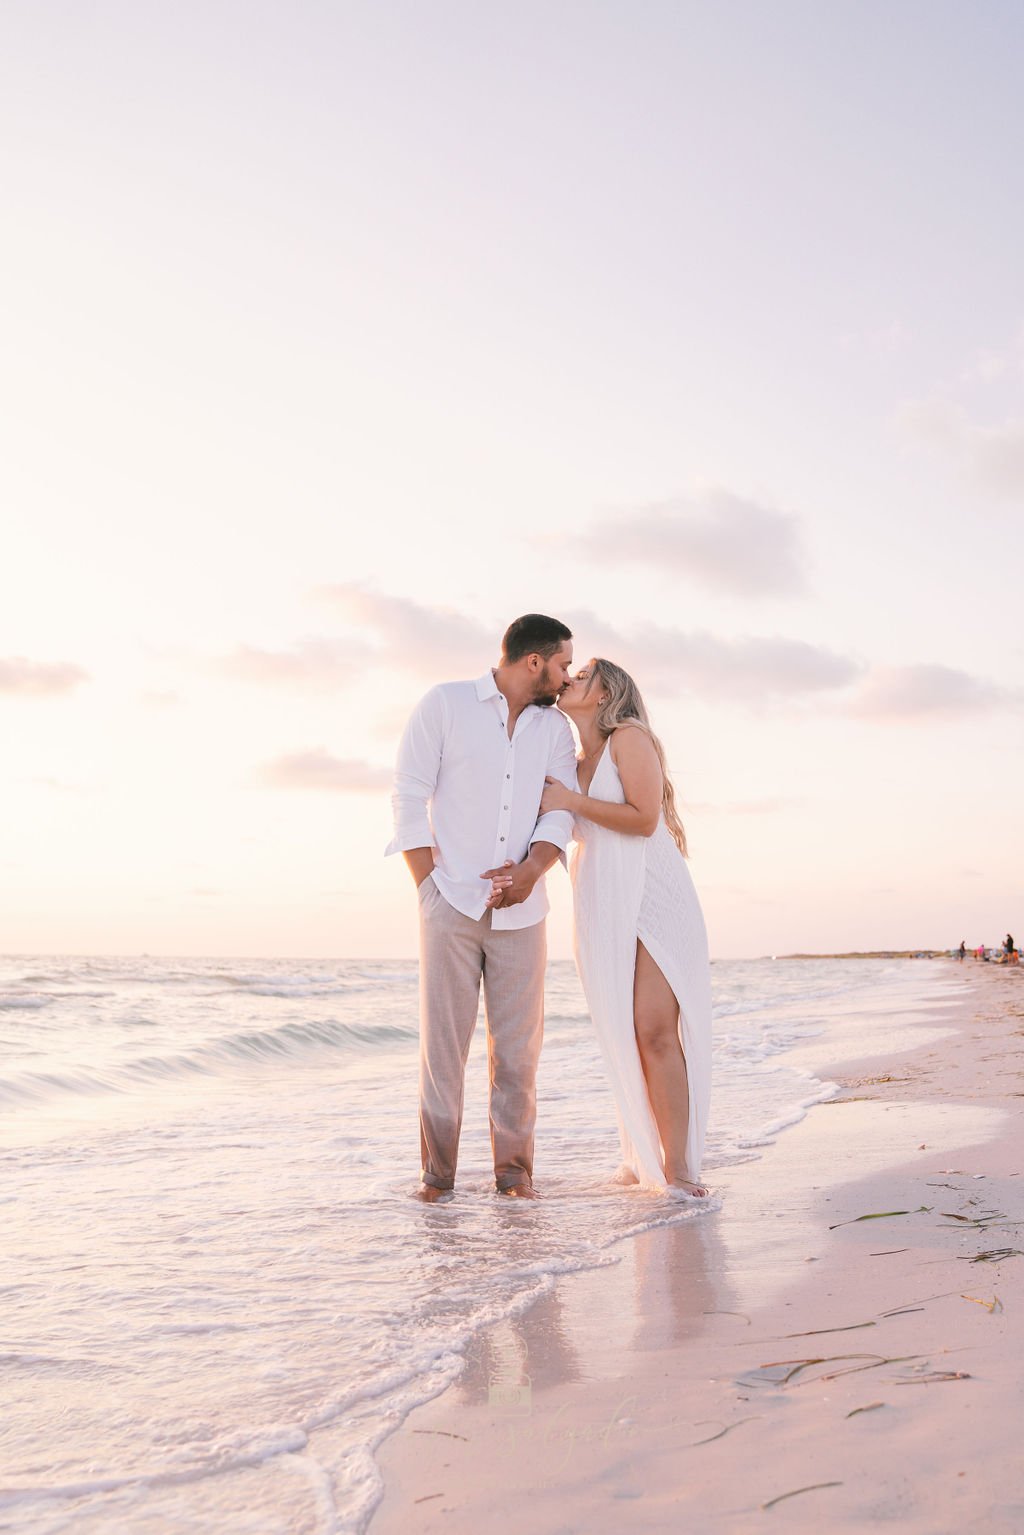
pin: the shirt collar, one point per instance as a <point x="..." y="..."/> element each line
<point x="486" y="688"/>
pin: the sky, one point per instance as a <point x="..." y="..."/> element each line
<point x="337" y="335"/>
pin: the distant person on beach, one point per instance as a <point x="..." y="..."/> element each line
<point x="962" y="950"/>
<point x="467" y="802"/>
<point x="641" y="946"/>
<point x="1008" y="945"/>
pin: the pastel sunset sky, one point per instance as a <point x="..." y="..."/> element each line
<point x="338" y="334"/>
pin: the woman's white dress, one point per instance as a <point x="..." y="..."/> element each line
<point x="627" y="888"/>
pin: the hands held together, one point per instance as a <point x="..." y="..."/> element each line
<point x="510" y="884"/>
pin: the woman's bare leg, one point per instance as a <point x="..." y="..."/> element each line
<point x="656" y="1021"/>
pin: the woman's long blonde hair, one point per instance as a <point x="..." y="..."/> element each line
<point x="623" y="705"/>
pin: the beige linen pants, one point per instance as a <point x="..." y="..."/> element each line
<point x="455" y="953"/>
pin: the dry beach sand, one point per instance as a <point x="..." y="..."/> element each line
<point x="784" y="1362"/>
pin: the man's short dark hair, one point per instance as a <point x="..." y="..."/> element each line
<point x="533" y="635"/>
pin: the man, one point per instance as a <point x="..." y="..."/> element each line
<point x="476" y="753"/>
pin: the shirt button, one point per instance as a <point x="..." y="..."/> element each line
<point x="501" y="839"/>
<point x="504" y="807"/>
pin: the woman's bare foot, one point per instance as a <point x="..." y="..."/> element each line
<point x="696" y="1190"/>
<point x="626" y="1176"/>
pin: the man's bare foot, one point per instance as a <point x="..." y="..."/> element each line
<point x="696" y="1190"/>
<point x="430" y="1195"/>
<point x="518" y="1191"/>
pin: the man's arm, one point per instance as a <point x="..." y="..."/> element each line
<point x="555" y="826"/>
<point x="419" y="762"/>
<point x="512" y="883"/>
<point x="420" y="863"/>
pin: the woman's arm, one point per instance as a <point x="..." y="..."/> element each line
<point x="640" y="771"/>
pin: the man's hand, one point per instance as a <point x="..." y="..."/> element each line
<point x="511" y="883"/>
<point x="500" y="879"/>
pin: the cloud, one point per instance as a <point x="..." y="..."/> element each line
<point x="427" y="640"/>
<point x="313" y="663"/>
<point x="992" y="456"/>
<point x="389" y="725"/>
<point x="996" y="363"/>
<point x="318" y="769"/>
<point x="714" y="538"/>
<point x="37" y="679"/>
<point x="927" y="692"/>
<point x="751" y="668"/>
<point x="773" y="669"/>
<point x="393" y="632"/>
<point x="436" y="644"/>
<point x="747" y="669"/>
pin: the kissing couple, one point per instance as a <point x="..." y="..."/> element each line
<point x="489" y="791"/>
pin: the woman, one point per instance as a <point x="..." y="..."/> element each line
<point x="641" y="947"/>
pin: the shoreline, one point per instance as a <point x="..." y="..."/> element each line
<point x="675" y="1388"/>
<point x="875" y="954"/>
<point x="994" y="957"/>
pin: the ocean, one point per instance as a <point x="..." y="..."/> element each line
<point x="217" y="1295"/>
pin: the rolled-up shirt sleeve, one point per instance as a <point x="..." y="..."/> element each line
<point x="555" y="826"/>
<point x="419" y="762"/>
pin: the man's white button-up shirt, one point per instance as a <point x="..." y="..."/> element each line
<point x="465" y="789"/>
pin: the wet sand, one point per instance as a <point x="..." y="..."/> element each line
<point x="783" y="1361"/>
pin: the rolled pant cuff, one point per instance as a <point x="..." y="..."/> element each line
<point x="513" y="1183"/>
<point x="434" y="1182"/>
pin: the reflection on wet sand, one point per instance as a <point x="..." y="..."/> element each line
<point x="681" y="1280"/>
<point x="657" y="1293"/>
<point x="507" y="1363"/>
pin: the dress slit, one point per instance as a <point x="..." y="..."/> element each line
<point x="695" y="1124"/>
